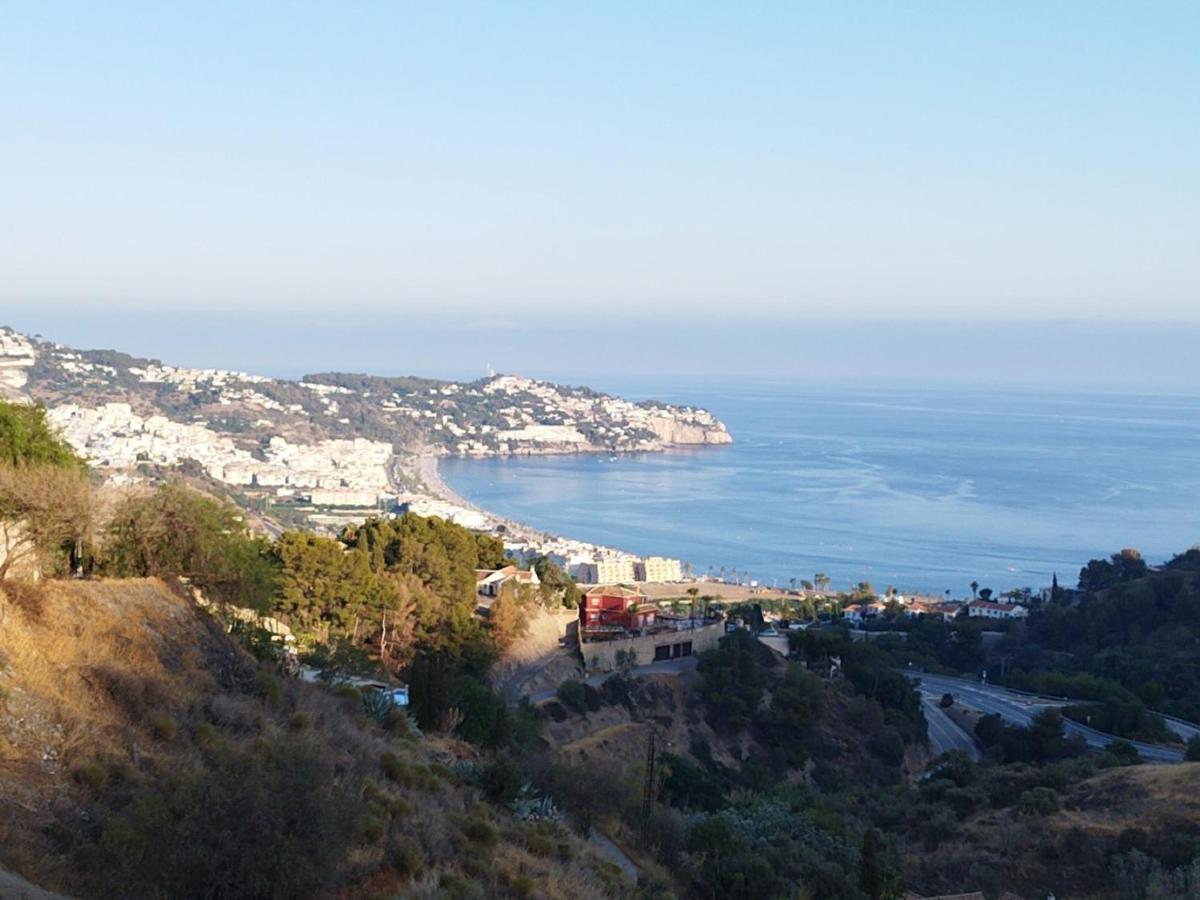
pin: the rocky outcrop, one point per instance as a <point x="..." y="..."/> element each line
<point x="673" y="431"/>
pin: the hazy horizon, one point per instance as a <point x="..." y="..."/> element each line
<point x="625" y="353"/>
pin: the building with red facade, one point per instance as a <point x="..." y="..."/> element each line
<point x="613" y="610"/>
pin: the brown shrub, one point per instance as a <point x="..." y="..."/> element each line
<point x="135" y="694"/>
<point x="27" y="596"/>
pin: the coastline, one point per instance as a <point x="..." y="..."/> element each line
<point x="425" y="468"/>
<point x="432" y="492"/>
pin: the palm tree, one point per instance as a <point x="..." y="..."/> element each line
<point x="974" y="588"/>
<point x="692" y="593"/>
<point x="792" y="582"/>
<point x="821" y="580"/>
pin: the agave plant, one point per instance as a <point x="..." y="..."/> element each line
<point x="377" y="705"/>
<point x="529" y="806"/>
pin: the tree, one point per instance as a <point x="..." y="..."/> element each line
<point x="974" y="588"/>
<point x="324" y="589"/>
<point x="1100" y="574"/>
<point x="821" y="580"/>
<point x="507" y="620"/>
<point x="872" y="864"/>
<point x="178" y="532"/>
<point x="27" y="439"/>
<point x="556" y="585"/>
<point x="45" y="501"/>
<point x="45" y="510"/>
<point x="985" y="594"/>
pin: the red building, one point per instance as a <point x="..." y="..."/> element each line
<point x="614" y="610"/>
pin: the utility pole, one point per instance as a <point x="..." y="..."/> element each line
<point x="648" y="791"/>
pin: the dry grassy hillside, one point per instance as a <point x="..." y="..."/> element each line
<point x="1153" y="809"/>
<point x="143" y="752"/>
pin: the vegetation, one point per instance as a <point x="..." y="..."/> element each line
<point x="45" y="501"/>
<point x="178" y="532"/>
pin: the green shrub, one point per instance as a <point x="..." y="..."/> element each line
<point x="267" y="821"/>
<point x="92" y="775"/>
<point x="268" y="687"/>
<point x="1039" y="801"/>
<point x="348" y="692"/>
<point x="371" y="829"/>
<point x="482" y="832"/>
<point x="407" y="774"/>
<point x="207" y="737"/>
<point x="164" y="728"/>
<point x="573" y="695"/>
<point x="406" y="859"/>
<point x="300" y="721"/>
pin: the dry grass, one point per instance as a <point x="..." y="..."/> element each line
<point x="108" y="686"/>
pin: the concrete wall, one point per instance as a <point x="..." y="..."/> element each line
<point x="601" y="656"/>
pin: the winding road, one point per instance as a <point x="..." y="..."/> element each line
<point x="1019" y="709"/>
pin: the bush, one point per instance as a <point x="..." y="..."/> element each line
<point x="164" y="728"/>
<point x="1193" y="750"/>
<point x="1039" y="801"/>
<point x="268" y="687"/>
<point x="406" y="859"/>
<point x="408" y="774"/>
<point x="479" y="830"/>
<point x="270" y="821"/>
<point x="573" y="695"/>
<point x="947" y="701"/>
<point x="91" y="775"/>
<point x="300" y="721"/>
<point x="1124" y="753"/>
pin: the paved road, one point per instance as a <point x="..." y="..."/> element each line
<point x="944" y="733"/>
<point x="1020" y="709"/>
<point x="666" y="667"/>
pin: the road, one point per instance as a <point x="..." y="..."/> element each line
<point x="1019" y="709"/>
<point x="944" y="733"/>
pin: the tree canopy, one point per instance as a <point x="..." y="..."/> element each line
<point x="27" y="438"/>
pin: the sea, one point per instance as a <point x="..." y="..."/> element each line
<point x="925" y="489"/>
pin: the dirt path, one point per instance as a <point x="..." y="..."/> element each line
<point x="614" y="853"/>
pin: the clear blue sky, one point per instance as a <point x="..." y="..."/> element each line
<point x="791" y="162"/>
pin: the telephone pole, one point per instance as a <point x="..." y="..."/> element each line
<point x="648" y="791"/>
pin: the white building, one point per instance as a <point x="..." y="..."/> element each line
<point x="612" y="570"/>
<point x="657" y="568"/>
<point x="986" y="609"/>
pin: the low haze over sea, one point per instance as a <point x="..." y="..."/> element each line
<point x="921" y="488"/>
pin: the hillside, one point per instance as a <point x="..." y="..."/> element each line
<point x="327" y="439"/>
<point x="1112" y="836"/>
<point x="144" y="752"/>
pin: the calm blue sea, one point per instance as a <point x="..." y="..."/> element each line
<point x="924" y="489"/>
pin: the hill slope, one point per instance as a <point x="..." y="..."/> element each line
<point x="143" y="752"/>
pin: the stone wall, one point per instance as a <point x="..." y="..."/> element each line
<point x="601" y="656"/>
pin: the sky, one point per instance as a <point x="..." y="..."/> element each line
<point x="686" y="176"/>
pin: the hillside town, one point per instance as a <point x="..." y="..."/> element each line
<point x="331" y="450"/>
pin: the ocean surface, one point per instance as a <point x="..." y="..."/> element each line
<point x="924" y="489"/>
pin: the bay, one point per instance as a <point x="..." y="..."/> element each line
<point x="922" y="488"/>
